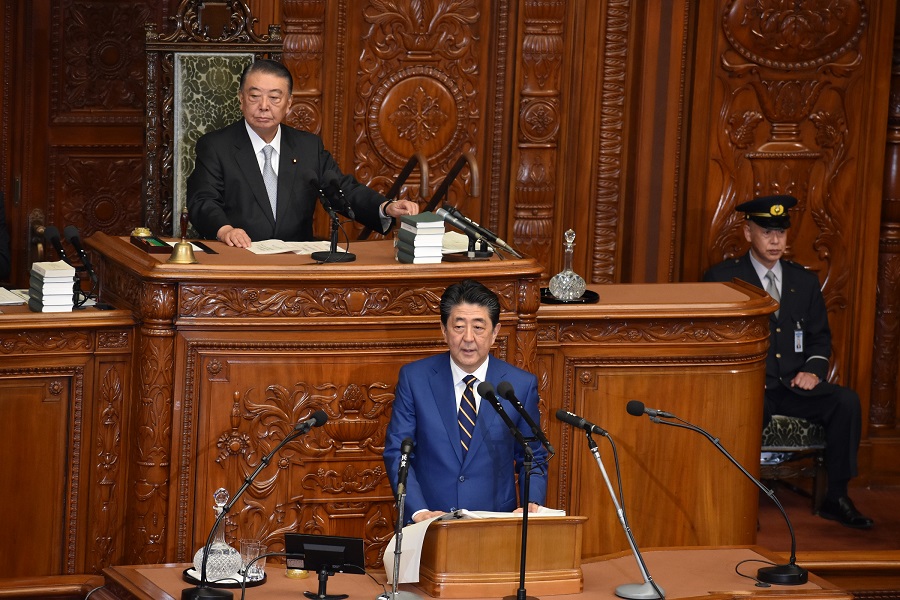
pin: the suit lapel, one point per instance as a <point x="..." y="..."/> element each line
<point x="288" y="169"/>
<point x="445" y="403"/>
<point x="249" y="165"/>
<point x="486" y="413"/>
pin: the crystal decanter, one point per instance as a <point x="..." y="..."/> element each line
<point x="567" y="285"/>
<point x="223" y="561"/>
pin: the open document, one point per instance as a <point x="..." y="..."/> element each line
<point x="414" y="537"/>
<point x="281" y="247"/>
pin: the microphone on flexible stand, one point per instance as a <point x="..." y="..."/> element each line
<point x="73" y="237"/>
<point x="473" y="234"/>
<point x="203" y="590"/>
<point x="486" y="391"/>
<point x="505" y="389"/>
<point x="51" y="234"/>
<point x="332" y="255"/>
<point x="333" y="185"/>
<point x="406" y="447"/>
<point x="486" y="233"/>
<point x="788" y="574"/>
<point x="632" y="591"/>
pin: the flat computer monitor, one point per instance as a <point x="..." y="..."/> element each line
<point x="326" y="555"/>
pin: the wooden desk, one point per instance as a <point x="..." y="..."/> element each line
<point x="65" y="381"/>
<point x="693" y="349"/>
<point x="236" y="349"/>
<point x="683" y="573"/>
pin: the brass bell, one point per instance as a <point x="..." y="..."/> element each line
<point x="183" y="254"/>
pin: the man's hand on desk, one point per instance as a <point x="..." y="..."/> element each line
<point x="426" y="514"/>
<point x="398" y="208"/>
<point x="233" y="237"/>
<point x="532" y="507"/>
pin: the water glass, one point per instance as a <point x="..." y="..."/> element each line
<point x="251" y="549"/>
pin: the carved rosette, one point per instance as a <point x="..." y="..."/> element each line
<point x="417" y="88"/>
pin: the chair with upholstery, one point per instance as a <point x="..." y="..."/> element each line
<point x="792" y="448"/>
<point x="193" y="75"/>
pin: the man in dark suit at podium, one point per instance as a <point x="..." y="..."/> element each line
<point x="248" y="182"/>
<point x="799" y="349"/>
<point x="463" y="460"/>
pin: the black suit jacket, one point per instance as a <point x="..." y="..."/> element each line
<point x="802" y="308"/>
<point x="226" y="186"/>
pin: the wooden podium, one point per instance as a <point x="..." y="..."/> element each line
<point x="472" y="558"/>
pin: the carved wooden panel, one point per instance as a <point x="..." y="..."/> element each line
<point x="95" y="189"/>
<point x="98" y="61"/>
<point x="63" y="392"/>
<point x="788" y="114"/>
<point x="408" y="77"/>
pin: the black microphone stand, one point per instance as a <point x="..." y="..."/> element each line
<point x="632" y="591"/>
<point x="789" y="574"/>
<point x="332" y="255"/>
<point x="202" y="590"/>
<point x="398" y="540"/>
<point x="521" y="594"/>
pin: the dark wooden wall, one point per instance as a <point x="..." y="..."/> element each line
<point x="639" y="124"/>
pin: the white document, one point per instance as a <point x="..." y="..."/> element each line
<point x="414" y="537"/>
<point x="281" y="247"/>
<point x="9" y="297"/>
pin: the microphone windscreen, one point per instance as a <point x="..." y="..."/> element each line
<point x="71" y="233"/>
<point x="308" y="178"/>
<point x="505" y="389"/>
<point x="51" y="233"/>
<point x="331" y="180"/>
<point x="486" y="390"/>
<point x="635" y="408"/>
<point x="320" y="416"/>
<point x="406" y="446"/>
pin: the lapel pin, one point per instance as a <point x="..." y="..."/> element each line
<point x="294" y="161"/>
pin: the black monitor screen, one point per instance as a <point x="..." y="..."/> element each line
<point x="332" y="554"/>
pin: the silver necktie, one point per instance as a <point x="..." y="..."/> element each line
<point x="270" y="178"/>
<point x="772" y="289"/>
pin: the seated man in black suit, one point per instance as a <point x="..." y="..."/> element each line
<point x="799" y="349"/>
<point x="250" y="181"/>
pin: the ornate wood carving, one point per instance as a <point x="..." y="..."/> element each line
<point x="96" y="192"/>
<point x="98" y="68"/>
<point x="28" y="341"/>
<point x="539" y="103"/>
<point x="784" y="127"/>
<point x="886" y="342"/>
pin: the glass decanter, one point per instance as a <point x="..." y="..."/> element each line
<point x="567" y="285"/>
<point x="223" y="561"/>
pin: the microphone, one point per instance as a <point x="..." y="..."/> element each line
<point x="406" y="447"/>
<point x="333" y="185"/>
<point x="486" y="391"/>
<point x="71" y="233"/>
<point x="636" y="408"/>
<point x="505" y="389"/>
<point x="788" y="574"/>
<point x="576" y="421"/>
<point x="462" y="226"/>
<point x="485" y="232"/>
<point x="312" y="181"/>
<point x="316" y="419"/>
<point x="203" y="590"/>
<point x="51" y="234"/>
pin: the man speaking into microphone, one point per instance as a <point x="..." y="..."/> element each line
<point x="464" y="455"/>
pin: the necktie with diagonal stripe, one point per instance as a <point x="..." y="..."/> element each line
<point x="467" y="413"/>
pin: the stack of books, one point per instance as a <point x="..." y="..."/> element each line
<point x="420" y="238"/>
<point x="52" y="287"/>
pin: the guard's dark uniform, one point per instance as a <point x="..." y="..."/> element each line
<point x="800" y="341"/>
<point x="803" y="309"/>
